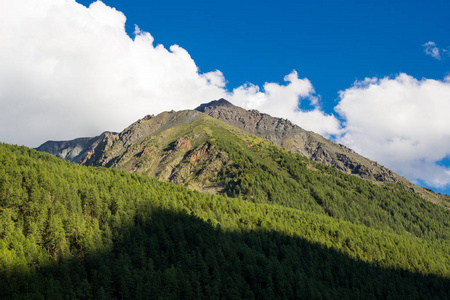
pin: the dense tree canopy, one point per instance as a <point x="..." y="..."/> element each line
<point x="68" y="231"/>
<point x="265" y="173"/>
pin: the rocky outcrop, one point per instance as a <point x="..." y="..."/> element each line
<point x="81" y="150"/>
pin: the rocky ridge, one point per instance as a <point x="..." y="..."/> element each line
<point x="79" y="150"/>
<point x="285" y="134"/>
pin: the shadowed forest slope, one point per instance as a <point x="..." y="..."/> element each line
<point x="174" y="255"/>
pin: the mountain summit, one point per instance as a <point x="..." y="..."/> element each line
<point x="285" y="134"/>
<point x="201" y="149"/>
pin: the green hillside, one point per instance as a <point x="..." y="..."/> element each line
<point x="70" y="231"/>
<point x="192" y="149"/>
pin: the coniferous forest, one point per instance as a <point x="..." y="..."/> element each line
<point x="76" y="232"/>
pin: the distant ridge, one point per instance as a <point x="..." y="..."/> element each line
<point x="79" y="149"/>
<point x="215" y="103"/>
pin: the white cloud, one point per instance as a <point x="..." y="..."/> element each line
<point x="284" y="101"/>
<point x="402" y="122"/>
<point x="436" y="52"/>
<point x="68" y="71"/>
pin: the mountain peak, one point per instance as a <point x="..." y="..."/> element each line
<point x="155" y="144"/>
<point x="284" y="133"/>
<point x="214" y="103"/>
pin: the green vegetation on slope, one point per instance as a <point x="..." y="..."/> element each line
<point x="195" y="150"/>
<point x="68" y="231"/>
<point x="245" y="166"/>
<point x="265" y="173"/>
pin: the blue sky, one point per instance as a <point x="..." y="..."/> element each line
<point x="373" y="75"/>
<point x="332" y="43"/>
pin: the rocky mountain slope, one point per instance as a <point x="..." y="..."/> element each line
<point x="188" y="148"/>
<point x="285" y="134"/>
<point x="170" y="146"/>
<point x="77" y="150"/>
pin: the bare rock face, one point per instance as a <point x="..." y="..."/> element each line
<point x="294" y="138"/>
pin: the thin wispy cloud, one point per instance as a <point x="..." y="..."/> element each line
<point x="434" y="51"/>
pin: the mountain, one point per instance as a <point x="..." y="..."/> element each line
<point x="193" y="149"/>
<point x="75" y="232"/>
<point x="283" y="133"/>
<point x="174" y="146"/>
<point x="275" y="223"/>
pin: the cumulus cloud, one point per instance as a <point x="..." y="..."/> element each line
<point x="68" y="71"/>
<point x="402" y="122"/>
<point x="284" y="101"/>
